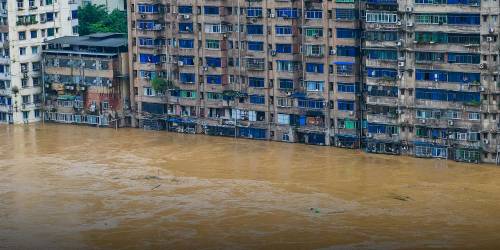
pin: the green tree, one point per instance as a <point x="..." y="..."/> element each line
<point x="95" y="18"/>
<point x="161" y="85"/>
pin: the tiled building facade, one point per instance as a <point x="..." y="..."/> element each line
<point x="416" y="78"/>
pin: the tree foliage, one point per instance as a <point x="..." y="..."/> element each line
<point x="161" y="85"/>
<point x="95" y="18"/>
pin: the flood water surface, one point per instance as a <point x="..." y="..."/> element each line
<point x="67" y="187"/>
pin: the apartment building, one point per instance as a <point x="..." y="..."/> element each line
<point x="86" y="80"/>
<point x="288" y="73"/>
<point x="24" y="26"/>
<point x="415" y="78"/>
<point x="431" y="78"/>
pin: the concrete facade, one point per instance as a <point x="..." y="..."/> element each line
<point x="24" y="26"/>
<point x="416" y="78"/>
<point x="86" y="80"/>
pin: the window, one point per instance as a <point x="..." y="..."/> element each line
<point x="256" y="46"/>
<point x="185" y="9"/>
<point x="257" y="99"/>
<point x="186" y="43"/>
<point x="474" y="116"/>
<point x="314" y="14"/>
<point x="149" y="91"/>
<point x="284" y="48"/>
<point x="315" y="86"/>
<point x="346" y="87"/>
<point x="22" y="51"/>
<point x="254" y="12"/>
<point x="255" y="29"/>
<point x="283" y="30"/>
<point x="211" y="10"/>
<point x="212" y="44"/>
<point x="285" y="83"/>
<point x="22" y="35"/>
<point x="214" y="79"/>
<point x="347" y="33"/>
<point x="315" y="68"/>
<point x="345" y="105"/>
<point x="256" y="82"/>
<point x="314" y="32"/>
<point x="34" y="50"/>
<point x="33" y="34"/>
<point x="381" y="17"/>
<point x="284" y="119"/>
<point x="287" y="13"/>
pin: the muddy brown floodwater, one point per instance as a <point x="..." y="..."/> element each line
<point x="67" y="187"/>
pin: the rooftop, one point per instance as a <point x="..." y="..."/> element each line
<point x="113" y="40"/>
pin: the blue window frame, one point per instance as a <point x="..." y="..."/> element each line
<point x="288" y="13"/>
<point x="187" y="77"/>
<point x="447" y="95"/>
<point x="148" y="8"/>
<point x="186" y="43"/>
<point x="255" y="29"/>
<point x="211" y="10"/>
<point x="256" y="46"/>
<point x="257" y="99"/>
<point x="187" y="60"/>
<point x="381" y="72"/>
<point x="346" y="87"/>
<point x="347" y="51"/>
<point x="345" y="105"/>
<point x="149" y="58"/>
<point x="285" y="83"/>
<point x="256" y="82"/>
<point x="347" y="33"/>
<point x="254" y="12"/>
<point x="283" y="30"/>
<point x="315" y="68"/>
<point x="185" y="9"/>
<point x="214" y="79"/>
<point x="186" y="27"/>
<point x="284" y="48"/>
<point x="314" y="14"/>
<point x="213" y="62"/>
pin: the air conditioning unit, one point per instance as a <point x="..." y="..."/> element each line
<point x="271" y="15"/>
<point x="180" y="63"/>
<point x="351" y="112"/>
<point x="491" y="30"/>
<point x="450" y="122"/>
<point x="489" y="39"/>
<point x="186" y="16"/>
<point x="486" y="141"/>
<point x="423" y="121"/>
<point x="482" y="89"/>
<point x="401" y="64"/>
<point x="409" y="24"/>
<point x="273" y="52"/>
<point x="205" y="68"/>
<point x="398" y="23"/>
<point x="289" y="93"/>
<point x="333" y="52"/>
<point x="409" y="9"/>
<point x="143" y="16"/>
<point x="370" y="135"/>
<point x="483" y="66"/>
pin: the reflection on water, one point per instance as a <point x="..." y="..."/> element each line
<point x="68" y="187"/>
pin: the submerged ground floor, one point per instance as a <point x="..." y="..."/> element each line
<point x="351" y="138"/>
